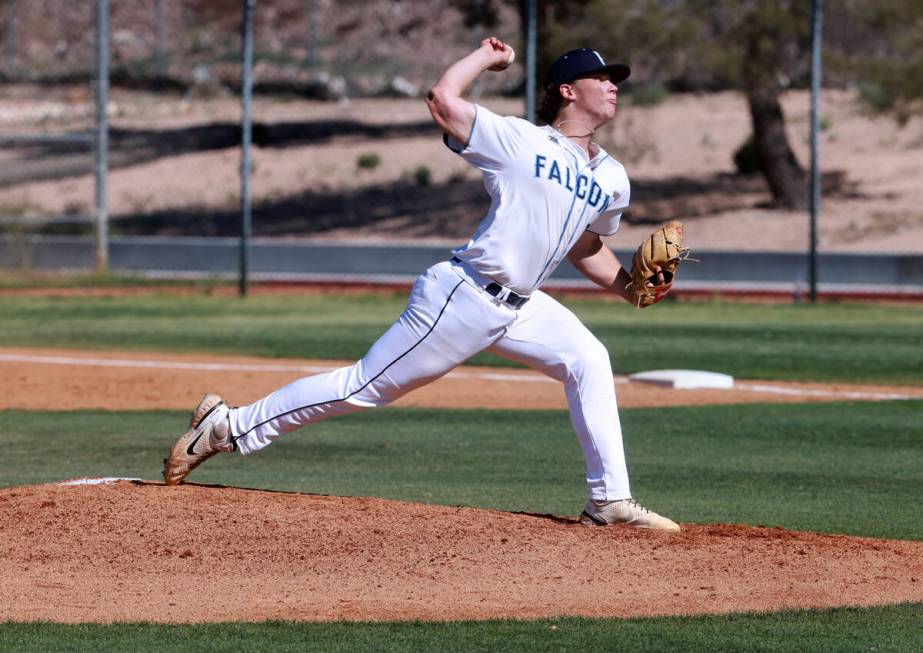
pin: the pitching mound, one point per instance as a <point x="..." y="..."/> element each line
<point x="143" y="551"/>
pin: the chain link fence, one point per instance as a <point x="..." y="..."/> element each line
<point x="343" y="146"/>
<point x="341" y="135"/>
<point x="47" y="116"/>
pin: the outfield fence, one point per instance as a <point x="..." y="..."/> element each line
<point x="85" y="165"/>
<point x="398" y="263"/>
<point x="79" y="159"/>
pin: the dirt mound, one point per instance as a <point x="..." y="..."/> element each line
<point x="143" y="551"/>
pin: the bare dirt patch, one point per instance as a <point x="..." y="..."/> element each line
<point x="679" y="156"/>
<point x="143" y="551"/>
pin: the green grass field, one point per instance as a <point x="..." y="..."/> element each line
<point x="844" y="467"/>
<point x="893" y="628"/>
<point x="826" y="342"/>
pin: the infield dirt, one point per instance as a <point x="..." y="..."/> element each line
<point x="142" y="551"/>
<point x="79" y="379"/>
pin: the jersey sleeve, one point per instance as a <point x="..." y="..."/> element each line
<point x="614" y="181"/>
<point x="494" y="140"/>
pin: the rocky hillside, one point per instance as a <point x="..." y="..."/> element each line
<point x="310" y="47"/>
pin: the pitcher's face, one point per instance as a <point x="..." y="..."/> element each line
<point x="595" y="96"/>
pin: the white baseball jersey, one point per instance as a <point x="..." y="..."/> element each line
<point x="544" y="195"/>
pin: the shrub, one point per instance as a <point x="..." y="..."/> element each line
<point x="422" y="175"/>
<point x="876" y="97"/>
<point x="368" y="161"/>
<point x="649" y="95"/>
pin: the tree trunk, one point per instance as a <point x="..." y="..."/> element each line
<point x="786" y="178"/>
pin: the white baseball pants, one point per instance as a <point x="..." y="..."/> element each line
<point x="448" y="319"/>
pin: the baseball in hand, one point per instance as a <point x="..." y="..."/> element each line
<point x="503" y="66"/>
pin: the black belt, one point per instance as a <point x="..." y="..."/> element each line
<point x="505" y="295"/>
<point x="514" y="300"/>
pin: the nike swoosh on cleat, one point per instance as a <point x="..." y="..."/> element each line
<point x="599" y="521"/>
<point x="191" y="448"/>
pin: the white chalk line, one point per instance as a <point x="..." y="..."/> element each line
<point x="457" y="374"/>
<point x="241" y="367"/>
<point x="811" y="392"/>
<point x="164" y="365"/>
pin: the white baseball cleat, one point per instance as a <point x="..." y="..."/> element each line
<point x="624" y="511"/>
<point x="209" y="433"/>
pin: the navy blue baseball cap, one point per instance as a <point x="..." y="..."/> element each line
<point x="583" y="61"/>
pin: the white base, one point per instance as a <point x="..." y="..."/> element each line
<point x="685" y="379"/>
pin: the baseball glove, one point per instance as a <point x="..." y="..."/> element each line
<point x="662" y="248"/>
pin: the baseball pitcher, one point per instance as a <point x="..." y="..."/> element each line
<point x="554" y="193"/>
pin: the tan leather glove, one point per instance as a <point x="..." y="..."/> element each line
<point x="663" y="248"/>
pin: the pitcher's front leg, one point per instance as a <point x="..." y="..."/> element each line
<point x="549" y="338"/>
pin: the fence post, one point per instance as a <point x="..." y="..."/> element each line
<point x="530" y="59"/>
<point x="9" y="35"/>
<point x="311" y="11"/>
<point x="160" y="58"/>
<point x="101" y="152"/>
<point x="817" y="12"/>
<point x="246" y="89"/>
